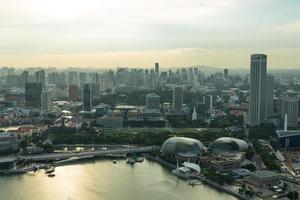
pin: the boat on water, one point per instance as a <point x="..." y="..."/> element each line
<point x="51" y="175"/>
<point x="187" y="170"/>
<point x="50" y="170"/>
<point x="131" y="160"/>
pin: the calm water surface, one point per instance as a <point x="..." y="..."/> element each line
<point x="103" y="180"/>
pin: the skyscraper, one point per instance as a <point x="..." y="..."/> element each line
<point x="226" y="73"/>
<point x="258" y="72"/>
<point x="157" y="69"/>
<point x="73" y="92"/>
<point x="177" y="99"/>
<point x="269" y="96"/>
<point x="152" y="101"/>
<point x="24" y="77"/>
<point x="87" y="97"/>
<point x="33" y="95"/>
<point x="46" y="101"/>
<point x="290" y="107"/>
<point x="40" y="77"/>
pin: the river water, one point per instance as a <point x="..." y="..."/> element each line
<point x="103" y="180"/>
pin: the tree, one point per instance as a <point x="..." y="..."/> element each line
<point x="293" y="195"/>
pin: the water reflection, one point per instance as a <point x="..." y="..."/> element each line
<point x="103" y="180"/>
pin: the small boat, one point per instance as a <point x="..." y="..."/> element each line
<point x="130" y="161"/>
<point x="139" y="159"/>
<point x="114" y="161"/>
<point x="51" y="175"/>
<point x="195" y="182"/>
<point x="50" y="170"/>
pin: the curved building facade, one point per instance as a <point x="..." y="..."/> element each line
<point x="228" y="144"/>
<point x="182" y="147"/>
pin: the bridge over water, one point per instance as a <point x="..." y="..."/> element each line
<point x="59" y="156"/>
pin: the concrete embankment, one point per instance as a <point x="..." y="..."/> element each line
<point x="203" y="179"/>
<point x="162" y="162"/>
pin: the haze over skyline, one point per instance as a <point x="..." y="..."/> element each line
<point x="138" y="33"/>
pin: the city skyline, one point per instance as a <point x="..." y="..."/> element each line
<point x="138" y="33"/>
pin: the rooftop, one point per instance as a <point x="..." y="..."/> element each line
<point x="264" y="174"/>
<point x="282" y="133"/>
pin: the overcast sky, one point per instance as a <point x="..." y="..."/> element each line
<point x="111" y="33"/>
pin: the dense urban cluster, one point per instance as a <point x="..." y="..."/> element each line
<point x="242" y="128"/>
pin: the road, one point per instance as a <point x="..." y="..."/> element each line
<point x="58" y="156"/>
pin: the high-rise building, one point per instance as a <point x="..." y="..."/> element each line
<point x="152" y="101"/>
<point x="177" y="99"/>
<point x="24" y="78"/>
<point x="190" y="76"/>
<point x="12" y="81"/>
<point x="87" y="97"/>
<point x="226" y="73"/>
<point x="208" y="103"/>
<point x="269" y="96"/>
<point x="258" y="73"/>
<point x="73" y="92"/>
<point x="82" y="78"/>
<point x="46" y="101"/>
<point x="290" y="107"/>
<point x="40" y="77"/>
<point x="33" y="95"/>
<point x="157" y="69"/>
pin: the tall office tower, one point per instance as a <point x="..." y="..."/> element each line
<point x="82" y="78"/>
<point x="290" y="106"/>
<point x="72" y="78"/>
<point x="33" y="95"/>
<point x="87" y="97"/>
<point x="208" y="101"/>
<point x="152" y="101"/>
<point x="177" y="99"/>
<point x="24" y="78"/>
<point x="46" y="101"/>
<point x="184" y="74"/>
<point x="190" y="76"/>
<point x="152" y="79"/>
<point x="157" y="69"/>
<point x="12" y="81"/>
<point x="226" y="73"/>
<point x="269" y="96"/>
<point x="258" y="72"/>
<point x="40" y="77"/>
<point x="73" y="92"/>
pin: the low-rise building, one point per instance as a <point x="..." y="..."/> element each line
<point x="8" y="142"/>
<point x="264" y="179"/>
<point x="223" y="163"/>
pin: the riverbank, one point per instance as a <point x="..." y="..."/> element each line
<point x="102" y="179"/>
<point x="201" y="178"/>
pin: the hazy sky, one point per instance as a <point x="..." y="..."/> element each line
<point x="110" y="33"/>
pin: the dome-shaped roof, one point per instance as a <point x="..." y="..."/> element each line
<point x="182" y="146"/>
<point x="228" y="144"/>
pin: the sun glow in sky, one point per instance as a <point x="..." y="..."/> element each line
<point x="110" y="33"/>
